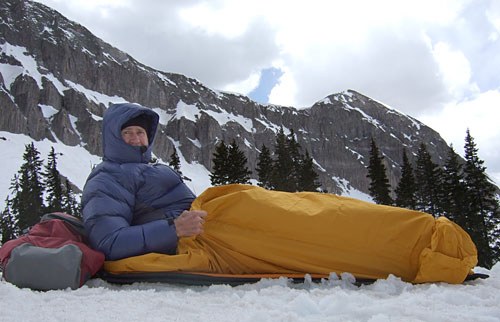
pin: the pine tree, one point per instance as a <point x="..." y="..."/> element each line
<point x="379" y="184"/>
<point x="175" y="162"/>
<point x="229" y="165"/>
<point x="428" y="183"/>
<point x="8" y="223"/>
<point x="405" y="191"/>
<point x="10" y="216"/>
<point x="453" y="201"/>
<point x="265" y="168"/>
<point x="308" y="178"/>
<point x="30" y="196"/>
<point x="293" y="148"/>
<point x="69" y="203"/>
<point x="482" y="206"/>
<point x="219" y="175"/>
<point x="53" y="186"/>
<point x="237" y="165"/>
<point x="283" y="178"/>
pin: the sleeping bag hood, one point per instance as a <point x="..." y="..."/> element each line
<point x="114" y="148"/>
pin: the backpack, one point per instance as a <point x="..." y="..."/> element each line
<point x="52" y="255"/>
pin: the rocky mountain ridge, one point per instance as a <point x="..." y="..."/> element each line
<point x="57" y="79"/>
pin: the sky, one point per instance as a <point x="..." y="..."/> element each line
<point x="273" y="301"/>
<point x="435" y="60"/>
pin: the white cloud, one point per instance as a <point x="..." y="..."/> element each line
<point x="245" y="86"/>
<point x="285" y="89"/>
<point x="454" y="69"/>
<point x="481" y="116"/>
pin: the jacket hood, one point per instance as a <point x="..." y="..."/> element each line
<point x="114" y="148"/>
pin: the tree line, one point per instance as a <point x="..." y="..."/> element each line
<point x="459" y="190"/>
<point x="36" y="189"/>
<point x="286" y="168"/>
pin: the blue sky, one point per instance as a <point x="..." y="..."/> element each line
<point x="269" y="77"/>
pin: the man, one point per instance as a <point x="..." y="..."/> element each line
<point x="132" y="207"/>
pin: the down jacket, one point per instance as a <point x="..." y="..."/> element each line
<point x="129" y="204"/>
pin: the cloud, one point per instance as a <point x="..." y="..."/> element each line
<point x="168" y="36"/>
<point x="399" y="71"/>
<point x="473" y="114"/>
<point x="396" y="52"/>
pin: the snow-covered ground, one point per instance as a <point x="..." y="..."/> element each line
<point x="267" y="300"/>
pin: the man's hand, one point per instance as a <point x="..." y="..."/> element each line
<point x="190" y="223"/>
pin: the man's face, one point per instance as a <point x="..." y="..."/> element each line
<point x="135" y="136"/>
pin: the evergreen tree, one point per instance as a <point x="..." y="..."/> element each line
<point x="265" y="168"/>
<point x="482" y="206"/>
<point x="308" y="178"/>
<point x="69" y="203"/>
<point x="379" y="184"/>
<point x="219" y="175"/>
<point x="428" y="183"/>
<point x="29" y="201"/>
<point x="175" y="162"/>
<point x="237" y="165"/>
<point x="53" y="186"/>
<point x="283" y="168"/>
<point x="9" y="222"/>
<point x="405" y="191"/>
<point x="453" y="201"/>
<point x="8" y="225"/>
<point x="293" y="148"/>
<point x="229" y="165"/>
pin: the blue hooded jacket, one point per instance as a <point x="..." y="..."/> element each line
<point x="128" y="204"/>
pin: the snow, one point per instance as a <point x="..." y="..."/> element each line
<point x="108" y="56"/>
<point x="164" y="116"/>
<point x="29" y="65"/>
<point x="199" y="175"/>
<point x="188" y="111"/>
<point x="96" y="97"/>
<point x="74" y="162"/>
<point x="223" y="117"/>
<point x="267" y="300"/>
<point x="272" y="126"/>
<point x="10" y="73"/>
<point x="350" y="191"/>
<point x="357" y="154"/>
<point x="365" y="116"/>
<point x="195" y="142"/>
<point x="48" y="111"/>
<point x="165" y="79"/>
<point x="192" y="112"/>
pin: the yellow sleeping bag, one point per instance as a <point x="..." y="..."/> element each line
<point x="250" y="230"/>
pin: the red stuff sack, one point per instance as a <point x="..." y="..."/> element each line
<point x="52" y="255"/>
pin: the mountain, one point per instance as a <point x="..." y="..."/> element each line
<point x="57" y="79"/>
